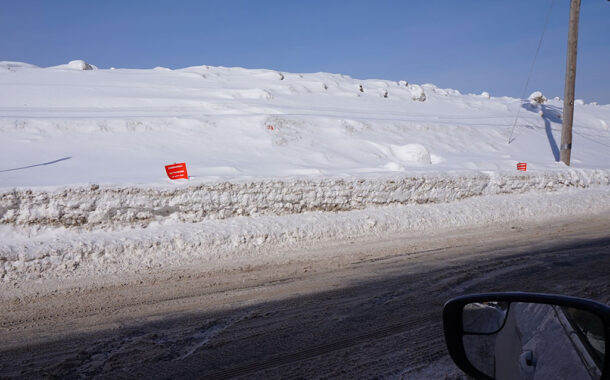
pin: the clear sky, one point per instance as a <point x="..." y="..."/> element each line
<point x="472" y="46"/>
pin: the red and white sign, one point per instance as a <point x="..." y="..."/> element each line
<point x="522" y="166"/>
<point x="177" y="171"/>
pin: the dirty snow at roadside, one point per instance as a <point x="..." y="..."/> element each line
<point x="250" y="241"/>
<point x="272" y="156"/>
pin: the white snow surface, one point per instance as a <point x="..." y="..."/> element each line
<point x="64" y="125"/>
<point x="275" y="160"/>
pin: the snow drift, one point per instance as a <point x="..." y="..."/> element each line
<point x="66" y="125"/>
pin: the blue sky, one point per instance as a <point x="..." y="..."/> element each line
<point x="472" y="46"/>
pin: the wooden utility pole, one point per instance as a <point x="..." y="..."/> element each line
<point x="568" y="98"/>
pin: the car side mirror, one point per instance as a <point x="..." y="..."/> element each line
<point x="528" y="336"/>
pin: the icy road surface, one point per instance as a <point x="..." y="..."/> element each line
<point x="373" y="311"/>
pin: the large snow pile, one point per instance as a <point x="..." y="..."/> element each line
<point x="269" y="154"/>
<point x="67" y="125"/>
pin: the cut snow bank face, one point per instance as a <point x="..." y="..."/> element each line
<point x="95" y="207"/>
<point x="93" y="257"/>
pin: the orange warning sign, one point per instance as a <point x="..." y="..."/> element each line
<point x="177" y="171"/>
<point x="522" y="166"/>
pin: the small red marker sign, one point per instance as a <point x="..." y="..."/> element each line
<point x="522" y="166"/>
<point x="177" y="171"/>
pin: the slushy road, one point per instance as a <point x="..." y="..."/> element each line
<point x="372" y="311"/>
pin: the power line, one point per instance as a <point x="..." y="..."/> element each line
<point x="546" y="23"/>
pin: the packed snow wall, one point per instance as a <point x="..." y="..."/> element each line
<point x="85" y="233"/>
<point x="94" y="207"/>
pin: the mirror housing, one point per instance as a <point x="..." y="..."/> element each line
<point x="487" y="314"/>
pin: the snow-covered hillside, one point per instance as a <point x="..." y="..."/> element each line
<point x="276" y="161"/>
<point x="76" y="124"/>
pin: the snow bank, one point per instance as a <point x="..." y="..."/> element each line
<point x="61" y="126"/>
<point x="275" y="160"/>
<point x="215" y="244"/>
<point x="82" y="231"/>
<point x="112" y="207"/>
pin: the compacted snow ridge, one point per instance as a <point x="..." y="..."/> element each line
<point x="29" y="254"/>
<point x="275" y="160"/>
<point x="111" y="207"/>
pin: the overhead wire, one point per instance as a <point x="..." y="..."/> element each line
<point x="529" y="75"/>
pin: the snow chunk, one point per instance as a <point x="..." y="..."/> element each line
<point x="412" y="153"/>
<point x="417" y="92"/>
<point x="77" y="64"/>
<point x="536" y="97"/>
<point x="439" y="91"/>
<point x="80" y="65"/>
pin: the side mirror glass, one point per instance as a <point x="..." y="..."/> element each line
<point x="528" y="338"/>
<point x="484" y="317"/>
